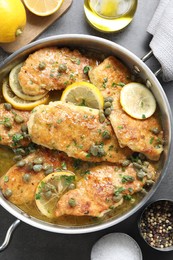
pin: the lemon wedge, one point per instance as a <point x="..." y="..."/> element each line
<point x="50" y="189"/>
<point x="137" y="100"/>
<point x="16" y="87"/>
<point x="19" y="103"/>
<point x="83" y="94"/>
<point x="43" y="7"/>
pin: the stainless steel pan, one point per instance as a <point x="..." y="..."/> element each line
<point x="137" y="66"/>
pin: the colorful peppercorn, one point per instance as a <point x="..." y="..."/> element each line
<point x="156" y="224"/>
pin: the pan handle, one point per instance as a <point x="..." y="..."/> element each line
<point x="147" y="57"/>
<point x="9" y="234"/>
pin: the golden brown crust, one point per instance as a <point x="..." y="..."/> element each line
<point x="94" y="195"/>
<point x="74" y="130"/>
<point x="109" y="73"/>
<point x="41" y="70"/>
<point x="7" y="134"/>
<point x="137" y="134"/>
<point x="24" y="192"/>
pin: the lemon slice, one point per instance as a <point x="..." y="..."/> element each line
<point x="137" y="100"/>
<point x="17" y="102"/>
<point x="83" y="94"/>
<point x="43" y="7"/>
<point x="50" y="189"/>
<point x="16" y="87"/>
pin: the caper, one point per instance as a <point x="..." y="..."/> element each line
<point x="72" y="186"/>
<point x="101" y="117"/>
<point x="20" y="151"/>
<point x="107" y="104"/>
<point x="106" y="135"/>
<point x="38" y="160"/>
<point x="143" y="191"/>
<point x="46" y="166"/>
<point x="42" y="65"/>
<point x="109" y="99"/>
<point x="125" y="163"/>
<point x="37" y="167"/>
<point x="108" y="111"/>
<point x="139" y="161"/>
<point x="137" y="165"/>
<point x="146" y="163"/>
<point x="30" y="166"/>
<point x="144" y="169"/>
<point x="7" y="106"/>
<point x="8" y="125"/>
<point x="17" y="158"/>
<point x="101" y="151"/>
<point x="49" y="170"/>
<point x="21" y="163"/>
<point x="48" y="194"/>
<point x="72" y="202"/>
<point x="26" y="135"/>
<point x="26" y="177"/>
<point x="94" y="150"/>
<point x="7" y="193"/>
<point x="149" y="175"/>
<point x="140" y="174"/>
<point x="155" y="130"/>
<point x="18" y="119"/>
<point x="24" y="128"/>
<point x="117" y="198"/>
<point x="149" y="182"/>
<point x="141" y="156"/>
<point x="62" y="68"/>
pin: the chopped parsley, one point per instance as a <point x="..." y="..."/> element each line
<point x="105" y="82"/>
<point x="59" y="121"/>
<point x="127" y="179"/>
<point x="118" y="191"/>
<point x="37" y="196"/>
<point x="63" y="166"/>
<point x="86" y="69"/>
<point x="17" y="138"/>
<point x="151" y="140"/>
<point x="6" y="178"/>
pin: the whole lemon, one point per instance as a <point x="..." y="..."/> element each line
<point x="12" y="19"/>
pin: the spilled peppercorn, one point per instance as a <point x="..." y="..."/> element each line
<point x="156" y="225"/>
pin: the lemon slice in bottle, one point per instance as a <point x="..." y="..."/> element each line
<point x="83" y="94"/>
<point x="43" y="7"/>
<point x="16" y="87"/>
<point x="50" y="189"/>
<point x="137" y="100"/>
<point x="19" y="103"/>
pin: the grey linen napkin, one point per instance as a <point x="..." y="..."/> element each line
<point x="161" y="27"/>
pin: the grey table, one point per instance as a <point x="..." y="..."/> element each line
<point x="31" y="243"/>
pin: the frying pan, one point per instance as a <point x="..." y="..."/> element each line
<point x="136" y="65"/>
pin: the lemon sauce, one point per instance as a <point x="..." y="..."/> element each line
<point x="109" y="15"/>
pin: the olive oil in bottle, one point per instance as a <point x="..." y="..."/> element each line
<point x="109" y="15"/>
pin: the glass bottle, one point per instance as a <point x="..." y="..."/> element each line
<point x="109" y="15"/>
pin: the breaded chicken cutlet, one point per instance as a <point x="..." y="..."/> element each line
<point x="53" y="68"/>
<point x="143" y="136"/>
<point x="76" y="131"/>
<point x="138" y="135"/>
<point x="103" y="189"/>
<point x="109" y="74"/>
<point x="12" y="126"/>
<point x="23" y="181"/>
